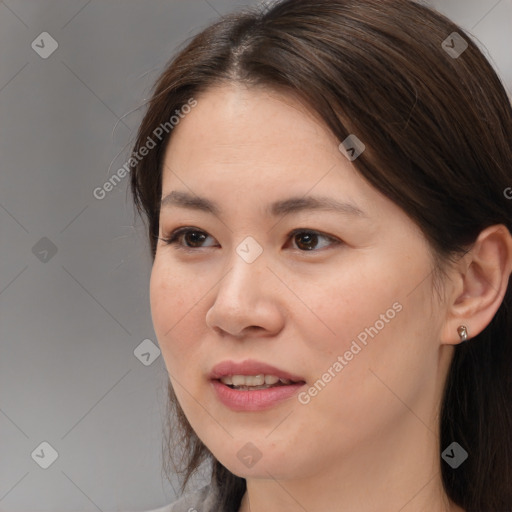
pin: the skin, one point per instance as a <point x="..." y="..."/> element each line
<point x="369" y="440"/>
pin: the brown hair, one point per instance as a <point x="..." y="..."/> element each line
<point x="438" y="132"/>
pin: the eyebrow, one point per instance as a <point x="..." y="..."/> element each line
<point x="279" y="208"/>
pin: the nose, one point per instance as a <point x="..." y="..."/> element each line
<point x="246" y="301"/>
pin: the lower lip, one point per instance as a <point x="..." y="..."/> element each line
<point x="256" y="400"/>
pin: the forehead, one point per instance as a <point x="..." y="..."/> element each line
<point x="231" y="120"/>
<point x="249" y="149"/>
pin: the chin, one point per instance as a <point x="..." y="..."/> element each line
<point x="272" y="466"/>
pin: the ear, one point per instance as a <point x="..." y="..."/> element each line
<point x="480" y="281"/>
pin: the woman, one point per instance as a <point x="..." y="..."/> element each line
<point x="325" y="191"/>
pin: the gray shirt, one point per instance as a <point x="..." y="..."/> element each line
<point x="202" y="500"/>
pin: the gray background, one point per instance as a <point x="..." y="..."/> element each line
<point x="72" y="321"/>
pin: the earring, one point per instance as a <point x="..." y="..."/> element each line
<point x="463" y="332"/>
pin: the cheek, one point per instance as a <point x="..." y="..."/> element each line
<point x="373" y="320"/>
<point x="378" y="320"/>
<point x="172" y="301"/>
<point x="343" y="304"/>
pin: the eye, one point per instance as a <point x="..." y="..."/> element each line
<point x="195" y="237"/>
<point x="309" y="238"/>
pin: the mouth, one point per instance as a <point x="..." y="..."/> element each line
<point x="252" y="385"/>
<point x="255" y="382"/>
<point x="252" y="375"/>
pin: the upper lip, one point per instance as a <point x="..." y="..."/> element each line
<point x="250" y="367"/>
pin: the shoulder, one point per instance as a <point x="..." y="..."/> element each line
<point x="201" y="500"/>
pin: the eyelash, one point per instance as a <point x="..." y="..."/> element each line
<point x="174" y="237"/>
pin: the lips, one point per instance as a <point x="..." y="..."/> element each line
<point x="251" y="367"/>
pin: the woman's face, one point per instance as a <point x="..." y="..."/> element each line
<point x="346" y="303"/>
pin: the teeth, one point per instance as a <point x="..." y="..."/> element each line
<point x="252" y="380"/>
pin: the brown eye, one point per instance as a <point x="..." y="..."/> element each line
<point x="307" y="240"/>
<point x="189" y="239"/>
<point x="193" y="238"/>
